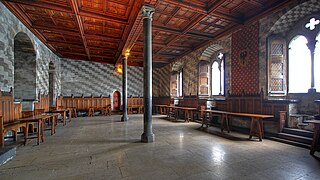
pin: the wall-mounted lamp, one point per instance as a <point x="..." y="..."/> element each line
<point x="118" y="69"/>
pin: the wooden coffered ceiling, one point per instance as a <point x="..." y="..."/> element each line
<point x="102" y="30"/>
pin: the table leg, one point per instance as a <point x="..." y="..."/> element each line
<point x="70" y="114"/>
<point x="26" y="134"/>
<point x="256" y="122"/>
<point x="64" y="118"/>
<point x="39" y="132"/>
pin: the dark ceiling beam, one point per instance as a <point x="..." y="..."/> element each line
<point x="56" y="30"/>
<point x="18" y="13"/>
<point x="227" y="17"/>
<point x="64" y="42"/>
<point x="126" y="36"/>
<point x="174" y="31"/>
<point x="103" y="17"/>
<point x="75" y="8"/>
<point x="186" y="5"/>
<point x="103" y="37"/>
<point x="268" y="10"/>
<point x="215" y="6"/>
<point x="39" y="4"/>
<point x="176" y="10"/>
<point x="212" y="24"/>
<point x="254" y="2"/>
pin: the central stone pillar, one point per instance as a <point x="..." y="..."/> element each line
<point x="147" y="135"/>
<point x="311" y="45"/>
<point x="124" y="89"/>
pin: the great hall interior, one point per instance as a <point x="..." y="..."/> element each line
<point x="159" y="89"/>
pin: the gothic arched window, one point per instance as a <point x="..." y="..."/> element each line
<point x="217" y="76"/>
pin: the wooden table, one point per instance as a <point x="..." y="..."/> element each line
<point x="256" y="127"/>
<point x="187" y="112"/>
<point x="162" y="108"/>
<point x="63" y="112"/>
<point x="35" y="119"/>
<point x="54" y="120"/>
<point x="138" y="107"/>
<point x="315" y="146"/>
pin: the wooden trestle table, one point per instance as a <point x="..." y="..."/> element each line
<point x="187" y="112"/>
<point x="63" y="112"/>
<point x="40" y="120"/>
<point x="315" y="146"/>
<point x="256" y="127"/>
<point x="160" y="108"/>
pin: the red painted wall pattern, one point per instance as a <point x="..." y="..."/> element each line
<point x="245" y="73"/>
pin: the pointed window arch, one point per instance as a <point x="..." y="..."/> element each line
<point x="299" y="65"/>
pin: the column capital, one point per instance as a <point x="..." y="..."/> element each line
<point x="147" y="11"/>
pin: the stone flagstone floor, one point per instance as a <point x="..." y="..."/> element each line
<point x="102" y="147"/>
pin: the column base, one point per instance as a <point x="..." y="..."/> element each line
<point x="312" y="90"/>
<point x="124" y="118"/>
<point x="147" y="138"/>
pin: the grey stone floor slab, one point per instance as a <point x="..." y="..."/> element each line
<point x="102" y="147"/>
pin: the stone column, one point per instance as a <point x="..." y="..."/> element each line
<point x="147" y="12"/>
<point x="124" y="89"/>
<point x="311" y="46"/>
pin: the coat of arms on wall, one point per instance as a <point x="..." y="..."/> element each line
<point x="243" y="57"/>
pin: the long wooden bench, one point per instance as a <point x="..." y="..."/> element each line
<point x="12" y="126"/>
<point x="9" y="113"/>
<point x="87" y="104"/>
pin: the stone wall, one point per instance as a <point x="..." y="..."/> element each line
<point x="10" y="26"/>
<point x="161" y="81"/>
<point x="91" y="78"/>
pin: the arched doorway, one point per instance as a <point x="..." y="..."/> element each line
<point x="116" y="100"/>
<point x="24" y="68"/>
<point x="52" y="74"/>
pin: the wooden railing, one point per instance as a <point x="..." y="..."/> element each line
<point x="83" y="103"/>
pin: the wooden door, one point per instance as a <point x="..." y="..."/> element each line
<point x="116" y="100"/>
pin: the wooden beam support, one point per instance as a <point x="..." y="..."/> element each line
<point x="75" y="8"/>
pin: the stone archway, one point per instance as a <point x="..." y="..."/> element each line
<point x="24" y="68"/>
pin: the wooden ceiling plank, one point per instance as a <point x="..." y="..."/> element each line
<point x="103" y="17"/>
<point x="227" y="17"/>
<point x="177" y="32"/>
<point x="176" y="10"/>
<point x="254" y="2"/>
<point x="215" y="6"/>
<point x="186" y="5"/>
<point x="75" y="8"/>
<point x="41" y="5"/>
